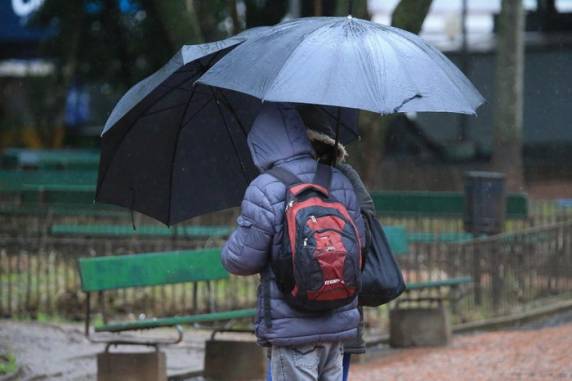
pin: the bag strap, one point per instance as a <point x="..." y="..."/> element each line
<point x="323" y="176"/>
<point x="286" y="177"/>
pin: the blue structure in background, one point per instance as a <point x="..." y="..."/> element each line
<point x="17" y="39"/>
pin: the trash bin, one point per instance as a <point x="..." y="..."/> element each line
<point x="485" y="202"/>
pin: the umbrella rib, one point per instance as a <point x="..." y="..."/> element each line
<point x="149" y="113"/>
<point x="181" y="126"/>
<point x="198" y="111"/>
<point x="174" y="156"/>
<point x="305" y="36"/>
<point x="242" y="167"/>
<point x="334" y="117"/>
<point x="233" y="112"/>
<point x="100" y="183"/>
<point x="426" y="48"/>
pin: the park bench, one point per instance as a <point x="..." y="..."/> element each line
<point x="100" y="274"/>
<point x="48" y="187"/>
<point x="399" y="240"/>
<point x="427" y="325"/>
<point x="439" y="204"/>
<point x="68" y="159"/>
<point x="153" y="231"/>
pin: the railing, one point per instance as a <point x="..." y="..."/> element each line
<point x="38" y="270"/>
<point x="39" y="277"/>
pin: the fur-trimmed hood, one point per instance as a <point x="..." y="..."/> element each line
<point x="315" y="136"/>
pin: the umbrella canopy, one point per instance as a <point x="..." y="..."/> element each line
<point x="346" y="62"/>
<point x="173" y="150"/>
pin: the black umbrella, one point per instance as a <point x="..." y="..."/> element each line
<point x="173" y="150"/>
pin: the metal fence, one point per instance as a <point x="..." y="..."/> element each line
<point x="38" y="275"/>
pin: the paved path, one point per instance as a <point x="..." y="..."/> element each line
<point x="61" y="352"/>
<point x="540" y="352"/>
<point x="543" y="354"/>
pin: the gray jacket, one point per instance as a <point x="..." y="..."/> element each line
<point x="278" y="138"/>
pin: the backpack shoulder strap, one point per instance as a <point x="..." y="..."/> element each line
<point x="323" y="176"/>
<point x="286" y="177"/>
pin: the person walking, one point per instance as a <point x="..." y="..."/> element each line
<point x="304" y="345"/>
<point x="321" y="135"/>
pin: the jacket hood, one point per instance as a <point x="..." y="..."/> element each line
<point x="315" y="136"/>
<point x="277" y="134"/>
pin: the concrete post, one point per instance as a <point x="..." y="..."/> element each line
<point x="145" y="366"/>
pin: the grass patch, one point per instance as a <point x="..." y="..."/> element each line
<point x="7" y="364"/>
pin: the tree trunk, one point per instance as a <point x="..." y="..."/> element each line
<point x="359" y="8"/>
<point x="234" y="17"/>
<point x="179" y="21"/>
<point x="410" y="14"/>
<point x="318" y="8"/>
<point x="507" y="146"/>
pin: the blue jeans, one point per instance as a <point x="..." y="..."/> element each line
<point x="345" y="371"/>
<point x="306" y="362"/>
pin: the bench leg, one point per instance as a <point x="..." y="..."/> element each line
<point x="145" y="366"/>
<point x="413" y="327"/>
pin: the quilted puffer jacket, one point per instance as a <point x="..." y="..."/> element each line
<point x="278" y="138"/>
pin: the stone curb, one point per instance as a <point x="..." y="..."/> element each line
<point x="513" y="320"/>
<point x="482" y="325"/>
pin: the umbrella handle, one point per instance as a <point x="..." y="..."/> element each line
<point x="350" y="3"/>
<point x="337" y="141"/>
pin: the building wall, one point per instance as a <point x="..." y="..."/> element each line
<point x="547" y="99"/>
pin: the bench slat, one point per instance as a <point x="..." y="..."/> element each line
<point x="150" y="269"/>
<point x="439" y="204"/>
<point x="144" y="230"/>
<point x="178" y="320"/>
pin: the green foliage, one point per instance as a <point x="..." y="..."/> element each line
<point x="7" y="364"/>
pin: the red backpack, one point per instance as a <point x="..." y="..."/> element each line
<point x="319" y="265"/>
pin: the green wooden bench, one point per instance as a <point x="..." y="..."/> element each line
<point x="119" y="230"/>
<point x="399" y="240"/>
<point x="50" y="158"/>
<point x="99" y="274"/>
<point x="439" y="204"/>
<point x="50" y="187"/>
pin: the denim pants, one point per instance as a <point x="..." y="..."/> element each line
<point x="313" y="362"/>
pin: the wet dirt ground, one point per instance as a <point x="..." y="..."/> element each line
<point x="541" y="352"/>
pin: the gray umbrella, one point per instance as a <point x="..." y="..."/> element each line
<point x="346" y="62"/>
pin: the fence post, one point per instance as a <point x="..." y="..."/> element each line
<point x="496" y="280"/>
<point x="477" y="273"/>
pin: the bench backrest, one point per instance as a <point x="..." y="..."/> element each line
<point x="397" y="237"/>
<point x="51" y="158"/>
<point x="439" y="204"/>
<point x="150" y="269"/>
<point x="124" y="230"/>
<point x="62" y="179"/>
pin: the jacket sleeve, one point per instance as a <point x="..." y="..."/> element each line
<point x="247" y="251"/>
